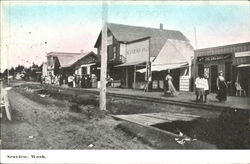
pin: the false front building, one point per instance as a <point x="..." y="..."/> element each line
<point x="137" y="53"/>
<point x="233" y="60"/>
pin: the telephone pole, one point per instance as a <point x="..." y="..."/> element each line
<point x="195" y="38"/>
<point x="8" y="81"/>
<point x="104" y="56"/>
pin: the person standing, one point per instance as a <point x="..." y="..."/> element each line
<point x="199" y="91"/>
<point x="170" y="89"/>
<point x="70" y="80"/>
<point x="206" y="87"/>
<point x="222" y="88"/>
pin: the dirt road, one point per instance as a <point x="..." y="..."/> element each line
<point x="47" y="117"/>
<point x="49" y="123"/>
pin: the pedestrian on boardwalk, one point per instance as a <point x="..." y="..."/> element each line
<point x="169" y="87"/>
<point x="94" y="81"/>
<point x="206" y="86"/>
<point x="109" y="81"/>
<point x="88" y="81"/>
<point x="199" y="91"/>
<point x="78" y="81"/>
<point x="84" y="81"/>
<point x="222" y="88"/>
<point x="70" y="80"/>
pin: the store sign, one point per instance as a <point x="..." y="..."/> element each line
<point x="110" y="40"/>
<point x="242" y="54"/>
<point x="137" y="51"/>
<point x="213" y="58"/>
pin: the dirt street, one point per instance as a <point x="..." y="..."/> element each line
<point x="49" y="117"/>
<point x="48" y="123"/>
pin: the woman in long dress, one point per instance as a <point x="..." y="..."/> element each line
<point x="169" y="87"/>
<point x="222" y="87"/>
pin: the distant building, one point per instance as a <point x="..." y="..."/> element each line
<point x="135" y="53"/>
<point x="233" y="60"/>
<point x="71" y="63"/>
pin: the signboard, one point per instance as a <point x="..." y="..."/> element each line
<point x="137" y="51"/>
<point x="110" y="40"/>
<point x="213" y="57"/>
<point x="242" y="54"/>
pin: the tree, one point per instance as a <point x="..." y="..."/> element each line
<point x="19" y="69"/>
<point x="12" y="71"/>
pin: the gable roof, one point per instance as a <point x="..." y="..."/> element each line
<point x="68" y="59"/>
<point x="158" y="37"/>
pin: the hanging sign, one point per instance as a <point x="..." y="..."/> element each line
<point x="213" y="57"/>
<point x="242" y="54"/>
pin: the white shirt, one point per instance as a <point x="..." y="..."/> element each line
<point x="70" y="79"/>
<point x="205" y="84"/>
<point x="199" y="82"/>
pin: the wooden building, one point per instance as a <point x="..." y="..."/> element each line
<point x="71" y="63"/>
<point x="233" y="60"/>
<point x="135" y="53"/>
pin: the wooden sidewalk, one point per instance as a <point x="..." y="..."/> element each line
<point x="149" y="119"/>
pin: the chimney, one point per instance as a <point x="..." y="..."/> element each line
<point x="161" y="26"/>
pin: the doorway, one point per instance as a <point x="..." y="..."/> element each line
<point x="213" y="75"/>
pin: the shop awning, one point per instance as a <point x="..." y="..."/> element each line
<point x="164" y="67"/>
<point x="131" y="64"/>
<point x="243" y="65"/>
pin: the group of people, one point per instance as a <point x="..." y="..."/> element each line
<point x="77" y="81"/>
<point x="202" y="88"/>
<point x="72" y="80"/>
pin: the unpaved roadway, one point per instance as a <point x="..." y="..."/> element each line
<point x="48" y="123"/>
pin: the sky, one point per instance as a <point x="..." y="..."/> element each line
<point x="29" y="30"/>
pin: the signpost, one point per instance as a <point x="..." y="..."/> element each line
<point x="103" y="57"/>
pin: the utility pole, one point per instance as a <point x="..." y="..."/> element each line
<point x="195" y="38"/>
<point x="8" y="82"/>
<point x="104" y="56"/>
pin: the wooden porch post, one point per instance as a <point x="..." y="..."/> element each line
<point x="134" y="76"/>
<point x="126" y="77"/>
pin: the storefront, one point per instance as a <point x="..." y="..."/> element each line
<point x="232" y="60"/>
<point x="138" y="56"/>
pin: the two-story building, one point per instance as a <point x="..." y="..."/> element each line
<point x="135" y="53"/>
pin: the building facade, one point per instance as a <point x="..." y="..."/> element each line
<point x="137" y="53"/>
<point x="233" y="60"/>
<point x="71" y="63"/>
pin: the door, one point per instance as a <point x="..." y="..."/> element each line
<point x="200" y="69"/>
<point x="213" y="75"/>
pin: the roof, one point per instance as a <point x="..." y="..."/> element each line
<point x="158" y="37"/>
<point x="68" y="59"/>
<point x="226" y="49"/>
<point x="62" y="54"/>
